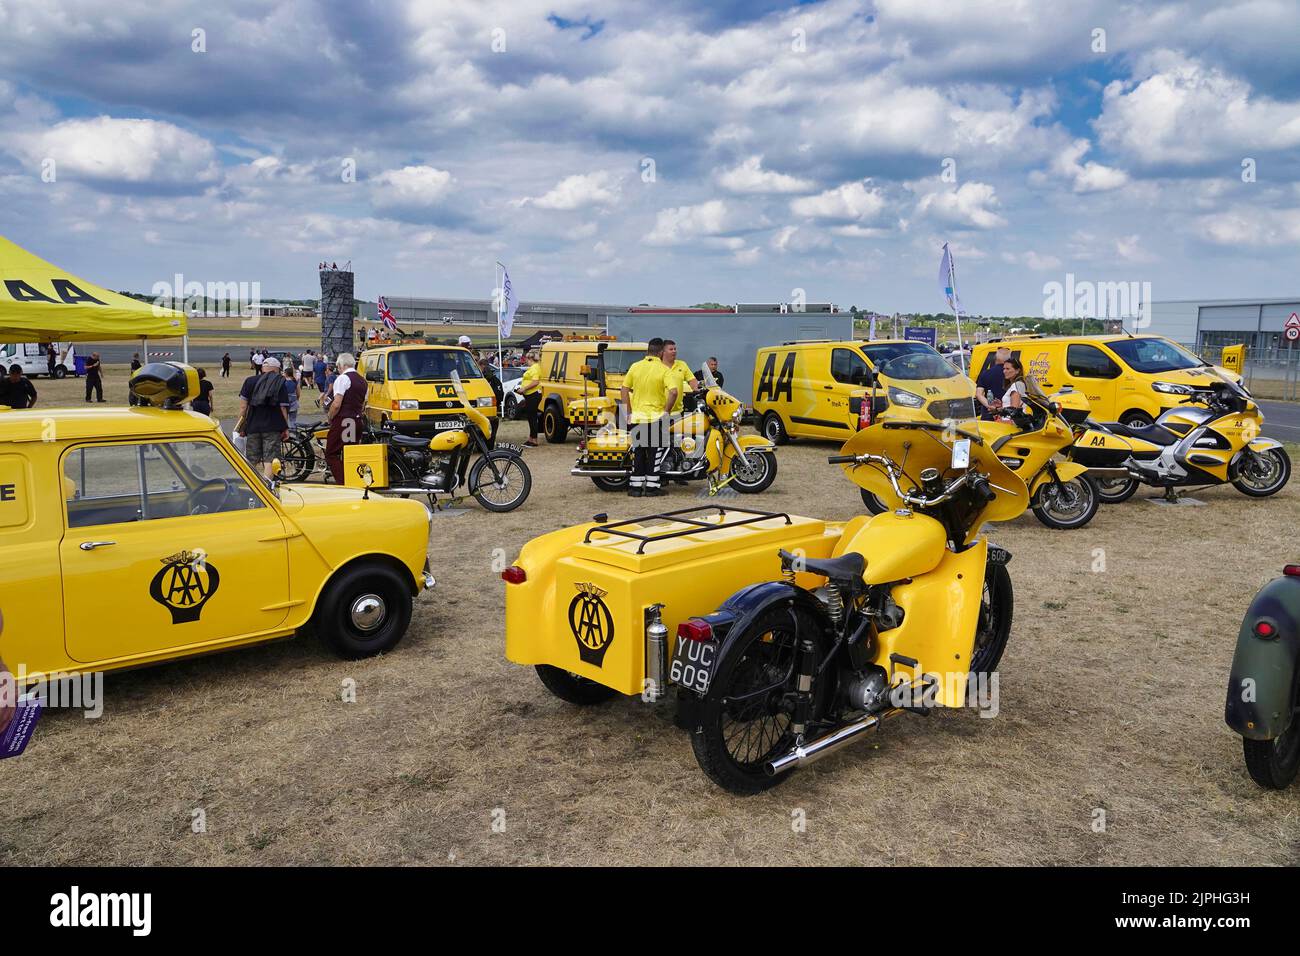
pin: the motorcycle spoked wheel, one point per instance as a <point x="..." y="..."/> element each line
<point x="1274" y="763"/>
<point x="746" y="719"/>
<point x="509" y="491"/>
<point x="297" y="460"/>
<point x="757" y="476"/>
<point x="1114" y="491"/>
<point x="993" y="629"/>
<point x="1071" y="506"/>
<point x="1259" y="479"/>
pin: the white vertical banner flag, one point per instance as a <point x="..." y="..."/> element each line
<point x="871" y="333"/>
<point x="947" y="281"/>
<point x="509" y="304"/>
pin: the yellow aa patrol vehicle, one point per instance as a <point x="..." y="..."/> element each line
<point x="409" y="388"/>
<point x="794" y="635"/>
<point x="1131" y="379"/>
<point x="564" y="381"/>
<point x="132" y="536"/>
<point x="810" y="389"/>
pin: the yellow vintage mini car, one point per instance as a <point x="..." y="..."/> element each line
<point x="131" y="536"/>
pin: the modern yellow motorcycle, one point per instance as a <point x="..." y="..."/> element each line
<point x="1211" y="439"/>
<point x="707" y="444"/>
<point x="911" y="612"/>
<point x="1063" y="494"/>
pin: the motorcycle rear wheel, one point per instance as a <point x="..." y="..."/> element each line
<point x="297" y="460"/>
<point x="735" y="740"/>
<point x="611" y="483"/>
<point x="1114" y="491"/>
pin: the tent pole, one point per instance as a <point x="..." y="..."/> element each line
<point x="185" y="349"/>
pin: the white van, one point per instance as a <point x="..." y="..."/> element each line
<point x="31" y="356"/>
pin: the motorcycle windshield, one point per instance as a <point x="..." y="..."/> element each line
<point x="915" y="446"/>
<point x="478" y="418"/>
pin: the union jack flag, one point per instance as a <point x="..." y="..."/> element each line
<point x="386" y="314"/>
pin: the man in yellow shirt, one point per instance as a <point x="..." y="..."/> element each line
<point x="530" y="386"/>
<point x="650" y="388"/>
<point x="687" y="377"/>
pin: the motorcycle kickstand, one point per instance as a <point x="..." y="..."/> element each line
<point x="1171" y="494"/>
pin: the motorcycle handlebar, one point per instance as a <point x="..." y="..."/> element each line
<point x="841" y="459"/>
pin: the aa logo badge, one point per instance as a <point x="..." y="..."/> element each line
<point x="591" y="623"/>
<point x="184" y="584"/>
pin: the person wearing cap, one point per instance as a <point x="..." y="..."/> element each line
<point x="464" y="341"/>
<point x="347" y="405"/>
<point x="264" y="414"/>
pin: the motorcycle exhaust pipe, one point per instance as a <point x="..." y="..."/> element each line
<point x="1109" y="472"/>
<point x="599" y="472"/>
<point x="822" y="746"/>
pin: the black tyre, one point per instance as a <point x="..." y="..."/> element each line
<point x="737" y="738"/>
<point x="554" y="425"/>
<point x="506" y="492"/>
<point x="873" y="503"/>
<point x="363" y="611"/>
<point x="60" y="371"/>
<point x="757" y="476"/>
<point x="1114" y="491"/>
<point x="1266" y="476"/>
<point x="1135" y="418"/>
<point x="774" y="429"/>
<point x="574" y="689"/>
<point x="610" y="484"/>
<point x="994" y="627"/>
<point x="1070" y="506"/>
<point x="297" y="460"/>
<point x="1273" y="763"/>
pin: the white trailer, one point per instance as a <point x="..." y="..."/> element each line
<point x="31" y="356"/>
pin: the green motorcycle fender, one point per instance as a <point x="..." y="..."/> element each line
<point x="1260" y="703"/>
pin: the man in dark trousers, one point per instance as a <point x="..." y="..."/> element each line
<point x="135" y="366"/>
<point x="225" y="365"/>
<point x="51" y="357"/>
<point x="94" y="377"/>
<point x="347" y="405"/>
<point x="17" y="390"/>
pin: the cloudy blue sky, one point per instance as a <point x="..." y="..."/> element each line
<point x="666" y="152"/>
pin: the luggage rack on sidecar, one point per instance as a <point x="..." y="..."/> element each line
<point x="696" y="525"/>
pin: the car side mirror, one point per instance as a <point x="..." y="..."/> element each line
<point x="375" y="376"/>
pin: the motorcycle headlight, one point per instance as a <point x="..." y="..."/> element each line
<point x="899" y="397"/>
<point x="738" y="414"/>
<point x="1172" y="388"/>
<point x="408" y="405"/>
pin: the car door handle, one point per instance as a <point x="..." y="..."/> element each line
<point x="92" y="545"/>
<point x="828" y="386"/>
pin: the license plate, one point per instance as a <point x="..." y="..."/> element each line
<point x="692" y="665"/>
<point x="445" y="424"/>
<point x="509" y="446"/>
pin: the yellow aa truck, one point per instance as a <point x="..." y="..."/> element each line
<point x="810" y="389"/>
<point x="131" y="536"/>
<point x="410" y="387"/>
<point x="563" y="379"/>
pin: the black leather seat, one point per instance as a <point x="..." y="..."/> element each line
<point x="1156" y="434"/>
<point x="408" y="441"/>
<point x="847" y="567"/>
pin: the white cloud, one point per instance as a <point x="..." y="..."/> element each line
<point x="685" y="223"/>
<point x="1086" y="177"/>
<point x="1252" y="227"/>
<point x="108" y="150"/>
<point x="971" y="205"/>
<point x="851" y="201"/>
<point x="576" y="192"/>
<point x="750" y="177"/>
<point x="1032" y="260"/>
<point x="1184" y="113"/>
<point x="1130" y="248"/>
<point x="411" y="187"/>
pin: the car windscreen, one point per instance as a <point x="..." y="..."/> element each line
<point x="1154" y="355"/>
<point x="431" y="365"/>
<point x="917" y="365"/>
<point x="878" y="355"/>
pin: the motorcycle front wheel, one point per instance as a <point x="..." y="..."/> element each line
<point x="509" y="490"/>
<point x="1266" y="475"/>
<point x="1071" y="505"/>
<point x="297" y="460"/>
<point x="1114" y="491"/>
<point x="746" y="719"/>
<point x="993" y="629"/>
<point x="758" y="475"/>
<point x="612" y="483"/>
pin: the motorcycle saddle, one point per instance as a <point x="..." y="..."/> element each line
<point x="1156" y="434"/>
<point x="847" y="567"/>
<point x="408" y="441"/>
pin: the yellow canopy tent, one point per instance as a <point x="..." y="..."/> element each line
<point x="41" y="302"/>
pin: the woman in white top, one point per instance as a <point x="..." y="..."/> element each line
<point x="1014" y="374"/>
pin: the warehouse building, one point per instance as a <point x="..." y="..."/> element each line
<point x="429" y="313"/>
<point x="1214" y="323"/>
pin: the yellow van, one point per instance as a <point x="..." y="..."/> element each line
<point x="1126" y="378"/>
<point x="409" y="387"/>
<point x="562" y="363"/>
<point x="809" y="389"/>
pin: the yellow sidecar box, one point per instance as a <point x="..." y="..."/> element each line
<point x="583" y="599"/>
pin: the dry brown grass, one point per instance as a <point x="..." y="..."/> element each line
<point x="1111" y="697"/>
